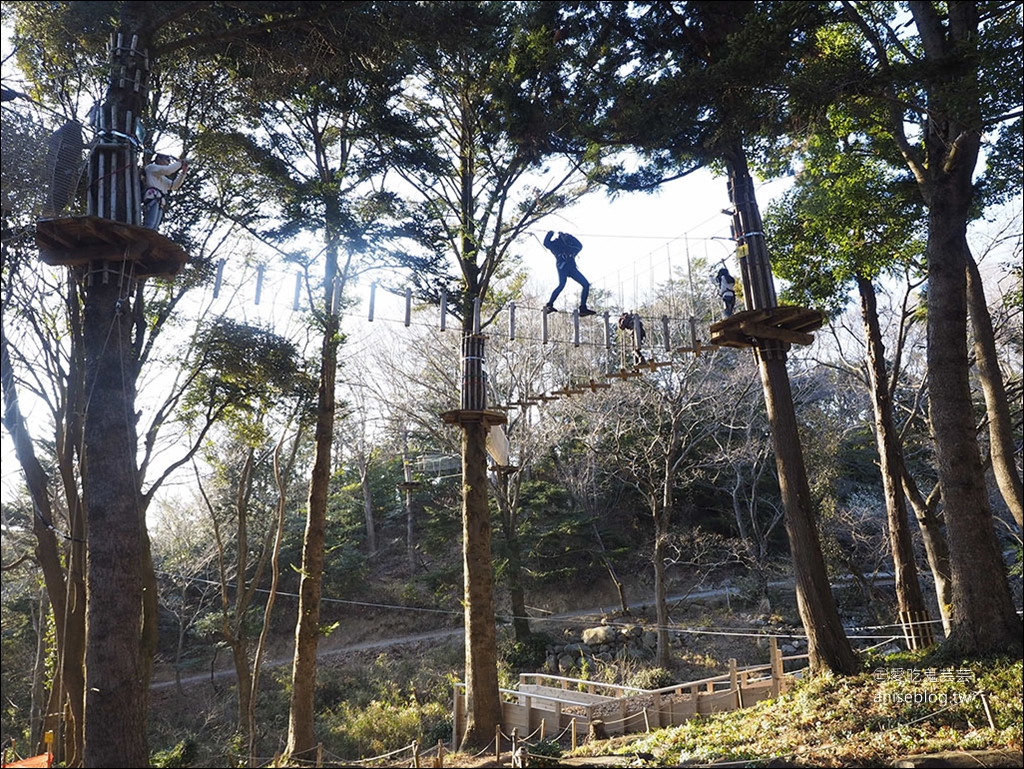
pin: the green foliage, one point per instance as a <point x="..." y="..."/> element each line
<point x="245" y="370"/>
<point x="652" y="678"/>
<point x="848" y="215"/>
<point x="544" y="752"/>
<point x="180" y="756"/>
<point x="907" y="703"/>
<point x="380" y="727"/>
<point x="527" y="655"/>
<point x="371" y="709"/>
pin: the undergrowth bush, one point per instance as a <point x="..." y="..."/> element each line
<point x="527" y="655"/>
<point x="652" y="678"/>
<point x="381" y="727"/>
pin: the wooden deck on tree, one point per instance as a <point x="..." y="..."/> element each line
<point x="80" y="240"/>
<point x="792" y="325"/>
<point x="486" y="417"/>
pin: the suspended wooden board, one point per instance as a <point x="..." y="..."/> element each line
<point x="792" y="325"/>
<point x="79" y="240"/>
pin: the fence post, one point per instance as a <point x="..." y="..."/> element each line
<point x="734" y="682"/>
<point x="439" y="761"/>
<point x="776" y="662"/>
<point x="456" y="717"/>
<point x="415" y="755"/>
<point x="574" y="732"/>
<point x="497" y="742"/>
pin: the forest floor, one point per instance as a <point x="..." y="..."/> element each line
<point x="366" y="635"/>
<point x="823" y="722"/>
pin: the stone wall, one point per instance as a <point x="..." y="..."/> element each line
<point x="604" y="643"/>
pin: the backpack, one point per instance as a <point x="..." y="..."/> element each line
<point x="570" y="246"/>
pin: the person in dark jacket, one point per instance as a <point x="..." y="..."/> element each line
<point x="727" y="290"/>
<point x="565" y="247"/>
<point x="630" y="323"/>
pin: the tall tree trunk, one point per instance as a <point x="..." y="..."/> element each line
<point x="243" y="678"/>
<point x="301" y="736"/>
<point x="983" y="616"/>
<point x="909" y="600"/>
<point x="282" y="476"/>
<point x="827" y="645"/>
<point x="363" y="464"/>
<point x="116" y="668"/>
<point x="115" y="680"/>
<point x="935" y="546"/>
<point x="65" y="588"/>
<point x="661" y="531"/>
<point x="483" y="713"/>
<point x="1000" y="423"/>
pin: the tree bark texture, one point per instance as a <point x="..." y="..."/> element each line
<point x="483" y="712"/>
<point x="301" y="735"/>
<point x="827" y="645"/>
<point x="1000" y="423"/>
<point x="936" y="547"/>
<point x="890" y="461"/>
<point x="982" y="616"/>
<point x="116" y="668"/>
<point x="116" y="684"/>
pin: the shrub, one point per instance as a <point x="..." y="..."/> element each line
<point x="652" y="678"/>
<point x="181" y="755"/>
<point x="528" y="654"/>
<point x="382" y="727"/>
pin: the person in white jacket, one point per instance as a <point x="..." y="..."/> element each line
<point x="162" y="177"/>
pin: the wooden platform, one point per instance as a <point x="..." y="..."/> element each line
<point x="792" y="325"/>
<point x="471" y="416"/>
<point x="80" y="240"/>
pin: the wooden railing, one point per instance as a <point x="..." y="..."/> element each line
<point x="555" y="705"/>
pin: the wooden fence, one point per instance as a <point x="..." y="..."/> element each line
<point x="554" y="705"/>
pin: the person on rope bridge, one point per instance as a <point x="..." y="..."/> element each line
<point x="630" y="323"/>
<point x="160" y="178"/>
<point x="565" y="247"/>
<point x="727" y="290"/>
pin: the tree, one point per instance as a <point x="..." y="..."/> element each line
<point x="487" y="98"/>
<point x="663" y="422"/>
<point x="940" y="93"/>
<point x="55" y="495"/>
<point x="148" y="32"/>
<point x="850" y="219"/>
<point x="701" y="88"/>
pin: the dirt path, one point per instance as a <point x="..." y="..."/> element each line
<point x="327" y="650"/>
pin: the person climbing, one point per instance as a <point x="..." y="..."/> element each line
<point x="161" y="177"/>
<point x="727" y="290"/>
<point x="630" y="323"/>
<point x="565" y="247"/>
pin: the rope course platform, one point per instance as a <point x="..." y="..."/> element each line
<point x="486" y="417"/>
<point x="789" y="324"/>
<point x="79" y="240"/>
